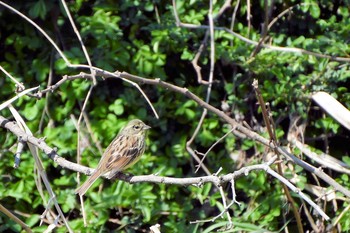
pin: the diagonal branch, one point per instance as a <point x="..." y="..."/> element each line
<point x="239" y="129"/>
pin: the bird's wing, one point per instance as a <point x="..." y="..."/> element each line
<point x="121" y="153"/>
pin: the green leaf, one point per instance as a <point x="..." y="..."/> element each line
<point x="147" y="67"/>
<point x="247" y="144"/>
<point x="315" y="11"/>
<point x="32" y="109"/>
<point x="38" y="9"/>
<point x="186" y="55"/>
<point x="299" y="40"/>
<point x="346" y="160"/>
<point x="117" y="107"/>
<point x="32" y="220"/>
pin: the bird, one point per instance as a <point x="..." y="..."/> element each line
<point x="123" y="152"/>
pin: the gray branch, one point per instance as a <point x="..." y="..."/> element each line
<point x="197" y="181"/>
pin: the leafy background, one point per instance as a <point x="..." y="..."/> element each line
<point x="142" y="38"/>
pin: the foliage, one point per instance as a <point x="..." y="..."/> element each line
<point x="141" y="37"/>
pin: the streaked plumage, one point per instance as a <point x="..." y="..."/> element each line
<point x="124" y="151"/>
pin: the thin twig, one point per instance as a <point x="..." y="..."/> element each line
<point x="272" y="133"/>
<point x="264" y="112"/>
<point x="68" y="63"/>
<point x="271" y="47"/>
<point x="14" y="218"/>
<point x="82" y="75"/>
<point x="96" y="142"/>
<point x="323" y="159"/>
<point x="20" y="86"/>
<point x="234" y="18"/>
<point x="288" y="10"/>
<point x="341" y="215"/>
<point x="211" y="147"/>
<point x="248" y="17"/>
<point x="224" y="202"/>
<point x="80" y="40"/>
<point x="212" y="50"/>
<point x="79" y="141"/>
<point x="297" y="191"/>
<point x="8" y="102"/>
<point x="189" y="142"/>
<point x="47" y="99"/>
<point x="264" y="29"/>
<point x="21" y="125"/>
<point x="309" y="217"/>
<point x="199" y="75"/>
<point x="40" y="30"/>
<point x="18" y="153"/>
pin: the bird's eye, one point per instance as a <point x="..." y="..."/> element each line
<point x="136" y="127"/>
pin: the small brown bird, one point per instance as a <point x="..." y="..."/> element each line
<point x="124" y="151"/>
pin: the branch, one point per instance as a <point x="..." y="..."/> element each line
<point x="198" y="181"/>
<point x="65" y="78"/>
<point x="255" y="43"/>
<point x="197" y="68"/>
<point x="60" y="52"/>
<point x="66" y="60"/>
<point x="80" y="41"/>
<point x="15" y="218"/>
<point x="240" y="131"/>
<point x="19" y="85"/>
<point x="272" y="133"/>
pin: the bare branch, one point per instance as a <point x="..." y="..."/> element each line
<point x="216" y="180"/>
<point x="234" y="15"/>
<point x="8" y="102"/>
<point x="197" y="68"/>
<point x="19" y="151"/>
<point x="14" y="218"/>
<point x="323" y="159"/>
<point x="80" y="40"/>
<point x="212" y="146"/>
<point x="249" y="16"/>
<point x="40" y="30"/>
<point x="255" y="43"/>
<point x="25" y="131"/>
<point x="272" y="133"/>
<point x="68" y="63"/>
<point x="18" y="84"/>
<point x="240" y="131"/>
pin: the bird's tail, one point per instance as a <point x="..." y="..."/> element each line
<point x="84" y="187"/>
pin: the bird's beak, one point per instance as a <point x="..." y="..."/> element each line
<point x="145" y="127"/>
